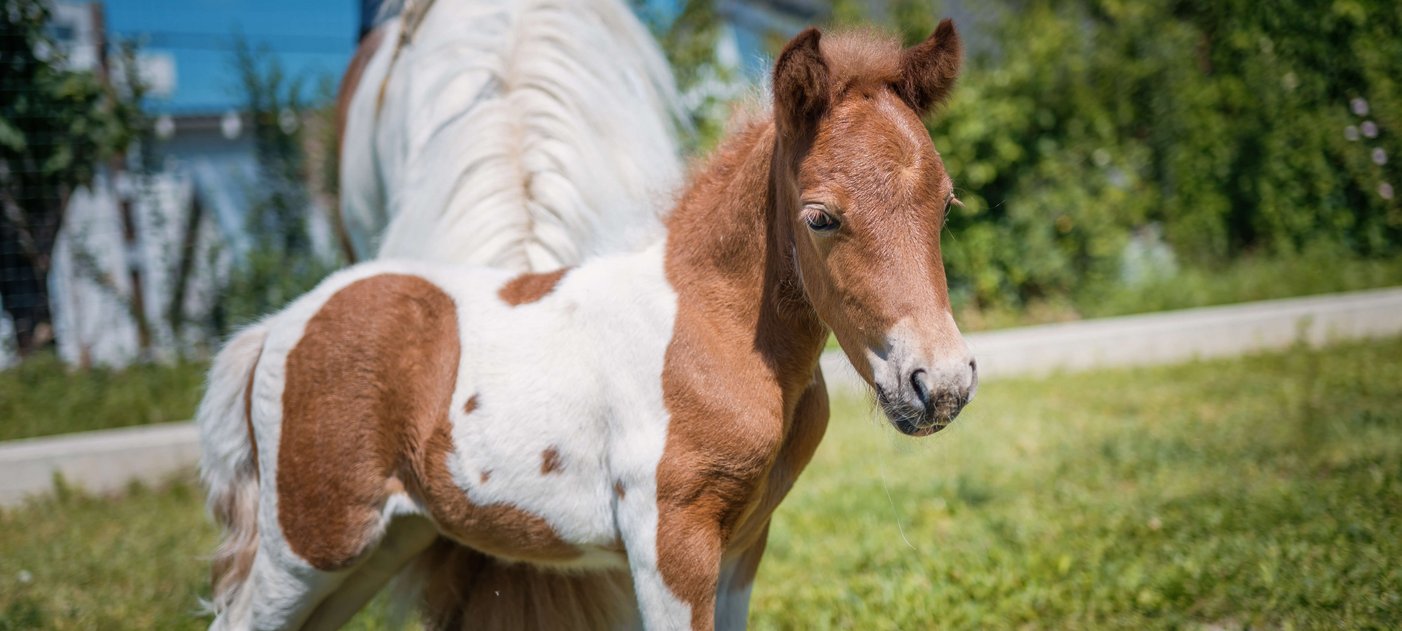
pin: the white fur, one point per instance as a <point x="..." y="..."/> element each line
<point x="226" y="455"/>
<point x="577" y="371"/>
<point x="524" y="134"/>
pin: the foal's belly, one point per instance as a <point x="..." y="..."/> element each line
<point x="530" y="490"/>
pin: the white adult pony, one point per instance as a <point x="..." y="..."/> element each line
<point x="522" y="134"/>
<point x="605" y="444"/>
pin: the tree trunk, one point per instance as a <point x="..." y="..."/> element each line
<point x="24" y="273"/>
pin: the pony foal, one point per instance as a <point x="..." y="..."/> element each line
<point x="637" y="418"/>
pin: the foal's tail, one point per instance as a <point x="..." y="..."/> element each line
<point x="229" y="466"/>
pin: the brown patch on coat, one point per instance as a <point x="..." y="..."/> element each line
<point x="550" y="461"/>
<point x="740" y="380"/>
<point x="486" y="475"/>
<point x="530" y="287"/>
<point x="471" y="405"/>
<point x="465" y="589"/>
<point x="367" y="395"/>
<point x="619" y="490"/>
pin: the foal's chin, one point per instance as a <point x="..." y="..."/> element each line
<point x="914" y="421"/>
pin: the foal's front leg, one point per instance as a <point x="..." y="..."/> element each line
<point x="675" y="558"/>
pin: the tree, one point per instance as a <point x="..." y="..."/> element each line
<point x="281" y="265"/>
<point x="57" y="126"/>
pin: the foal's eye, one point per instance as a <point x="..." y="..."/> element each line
<point x="818" y="219"/>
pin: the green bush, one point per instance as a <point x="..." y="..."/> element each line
<point x="1237" y="126"/>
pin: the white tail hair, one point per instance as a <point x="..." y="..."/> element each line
<point x="526" y="134"/>
<point x="228" y="467"/>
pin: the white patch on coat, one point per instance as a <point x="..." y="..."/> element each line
<point x="578" y="371"/>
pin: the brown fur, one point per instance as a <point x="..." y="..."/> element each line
<point x="530" y="287"/>
<point x="550" y="461"/>
<point x="367" y="396"/>
<point x="747" y="403"/>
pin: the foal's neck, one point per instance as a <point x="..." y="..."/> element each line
<point x="728" y="255"/>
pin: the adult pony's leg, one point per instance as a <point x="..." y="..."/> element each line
<point x="405" y="538"/>
<point x="737" y="578"/>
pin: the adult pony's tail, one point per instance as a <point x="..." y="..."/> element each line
<point x="229" y="468"/>
<point x="461" y="589"/>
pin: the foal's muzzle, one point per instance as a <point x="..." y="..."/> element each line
<point x="927" y="399"/>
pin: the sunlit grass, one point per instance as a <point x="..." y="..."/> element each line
<point x="1261" y="492"/>
<point x="1264" y="491"/>
<point x="41" y="396"/>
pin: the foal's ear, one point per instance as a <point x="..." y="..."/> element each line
<point x="928" y="69"/>
<point x="800" y="85"/>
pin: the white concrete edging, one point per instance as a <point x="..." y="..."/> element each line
<point x="108" y="460"/>
<point x="103" y="461"/>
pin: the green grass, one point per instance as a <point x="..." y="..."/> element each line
<point x="1259" y="492"/>
<point x="73" y="561"/>
<point x="1262" y="492"/>
<point x="41" y="397"/>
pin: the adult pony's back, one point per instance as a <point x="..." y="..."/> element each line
<point x="524" y="134"/>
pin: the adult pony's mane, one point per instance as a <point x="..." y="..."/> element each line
<point x="525" y="134"/>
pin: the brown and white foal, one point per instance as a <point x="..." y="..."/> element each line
<point x="611" y="440"/>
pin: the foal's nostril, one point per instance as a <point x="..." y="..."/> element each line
<point x="922" y="389"/>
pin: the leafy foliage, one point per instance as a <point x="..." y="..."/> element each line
<point x="57" y="125"/>
<point x="281" y="264"/>
<point x="1239" y="127"/>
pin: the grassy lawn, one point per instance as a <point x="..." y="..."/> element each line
<point x="1261" y="492"/>
<point x="41" y="396"/>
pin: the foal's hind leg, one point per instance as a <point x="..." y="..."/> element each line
<point x="281" y="594"/>
<point x="289" y="589"/>
<point x="405" y="538"/>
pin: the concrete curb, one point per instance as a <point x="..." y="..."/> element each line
<point x="108" y="460"/>
<point x="102" y="462"/>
